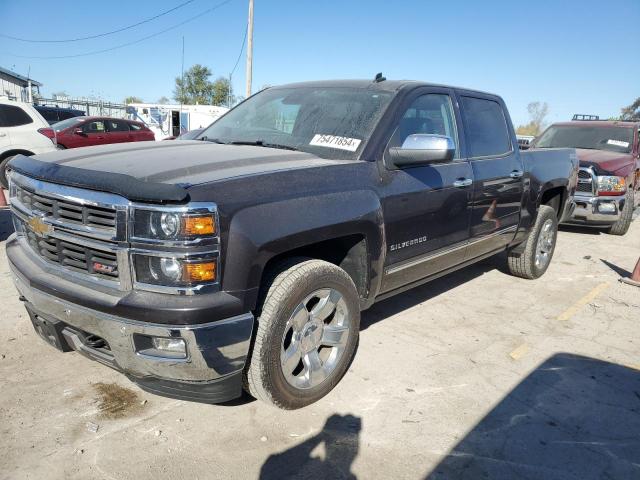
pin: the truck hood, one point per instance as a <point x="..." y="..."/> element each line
<point x="182" y="162"/>
<point x="603" y="161"/>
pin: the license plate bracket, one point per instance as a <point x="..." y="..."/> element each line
<point x="50" y="331"/>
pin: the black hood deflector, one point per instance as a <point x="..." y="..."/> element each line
<point x="118" y="183"/>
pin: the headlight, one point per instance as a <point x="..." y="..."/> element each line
<point x="611" y="185"/>
<point x="158" y="225"/>
<point x="174" y="272"/>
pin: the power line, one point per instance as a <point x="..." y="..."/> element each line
<point x="244" y="40"/>
<point x="128" y="27"/>
<point x="128" y="44"/>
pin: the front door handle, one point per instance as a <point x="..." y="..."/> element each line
<point x="516" y="174"/>
<point x="462" y="182"/>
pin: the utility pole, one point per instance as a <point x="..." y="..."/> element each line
<point x="249" y="49"/>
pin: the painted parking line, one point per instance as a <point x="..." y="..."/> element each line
<point x="588" y="298"/>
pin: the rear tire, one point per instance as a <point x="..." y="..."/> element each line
<point x="539" y="247"/>
<point x="622" y="225"/>
<point x="306" y="335"/>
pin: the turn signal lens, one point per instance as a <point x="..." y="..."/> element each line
<point x="199" y="272"/>
<point x="198" y="226"/>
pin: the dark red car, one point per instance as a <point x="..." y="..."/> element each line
<point x="87" y="131"/>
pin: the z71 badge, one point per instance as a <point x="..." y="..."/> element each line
<point x="408" y="243"/>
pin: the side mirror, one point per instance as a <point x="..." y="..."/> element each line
<point x="422" y="149"/>
<point x="77" y="131"/>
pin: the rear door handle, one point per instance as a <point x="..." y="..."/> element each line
<point x="462" y="182"/>
<point x="516" y="174"/>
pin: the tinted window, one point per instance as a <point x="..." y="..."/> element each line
<point x="431" y="114"/>
<point x="594" y="137"/>
<point x="93" y="127"/>
<point x="486" y="127"/>
<point x="117" y="126"/>
<point x="49" y="114"/>
<point x="12" y="116"/>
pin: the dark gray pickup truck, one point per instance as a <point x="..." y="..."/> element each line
<point x="244" y="258"/>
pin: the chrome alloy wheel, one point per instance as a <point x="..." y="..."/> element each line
<point x="544" y="246"/>
<point x="315" y="338"/>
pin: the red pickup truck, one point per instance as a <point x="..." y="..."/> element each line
<point x="88" y="131"/>
<point x="609" y="177"/>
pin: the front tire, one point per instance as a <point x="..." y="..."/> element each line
<point x="624" y="222"/>
<point x="539" y="247"/>
<point x="4" y="183"/>
<point x="306" y="334"/>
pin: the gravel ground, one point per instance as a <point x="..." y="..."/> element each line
<point x="475" y="375"/>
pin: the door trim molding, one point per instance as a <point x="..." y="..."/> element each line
<point x="413" y="262"/>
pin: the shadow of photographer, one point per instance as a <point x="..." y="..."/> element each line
<point x="340" y="438"/>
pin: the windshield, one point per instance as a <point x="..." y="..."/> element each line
<point x="613" y="139"/>
<point x="64" y="124"/>
<point x="331" y="122"/>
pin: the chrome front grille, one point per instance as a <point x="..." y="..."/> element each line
<point x="586" y="181"/>
<point x="78" y="232"/>
<point x="74" y="256"/>
<point x="68" y="211"/>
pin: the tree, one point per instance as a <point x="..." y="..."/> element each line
<point x="632" y="112"/>
<point x="537" y="113"/>
<point x="221" y="91"/>
<point x="133" y="99"/>
<point x="163" y="100"/>
<point x="196" y="88"/>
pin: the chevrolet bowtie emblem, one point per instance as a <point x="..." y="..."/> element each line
<point x="39" y="227"/>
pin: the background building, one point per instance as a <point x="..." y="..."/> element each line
<point x="17" y="87"/>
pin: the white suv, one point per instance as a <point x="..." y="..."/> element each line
<point x="22" y="130"/>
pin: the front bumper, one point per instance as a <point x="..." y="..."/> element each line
<point x="210" y="373"/>
<point x="597" y="210"/>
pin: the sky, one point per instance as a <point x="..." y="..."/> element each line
<point x="578" y="56"/>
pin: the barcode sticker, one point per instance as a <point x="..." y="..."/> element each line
<point x="618" y="143"/>
<point x="332" y="141"/>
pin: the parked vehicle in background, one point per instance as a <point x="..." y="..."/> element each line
<point x="524" y="141"/>
<point x="246" y="257"/>
<point x="22" y="131"/>
<point x="609" y="178"/>
<point x="54" y="114"/>
<point x="87" y="131"/>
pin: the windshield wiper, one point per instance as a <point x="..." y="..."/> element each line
<point x="262" y="143"/>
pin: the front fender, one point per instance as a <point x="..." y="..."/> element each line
<point x="261" y="232"/>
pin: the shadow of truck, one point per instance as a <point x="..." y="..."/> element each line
<point x="572" y="418"/>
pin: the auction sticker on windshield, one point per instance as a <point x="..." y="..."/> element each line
<point x="333" y="141"/>
<point x="618" y="143"/>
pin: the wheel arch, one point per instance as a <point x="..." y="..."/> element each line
<point x="345" y="229"/>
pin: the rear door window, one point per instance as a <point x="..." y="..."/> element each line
<point x="13" y="116"/>
<point x="117" y="126"/>
<point x="486" y="127"/>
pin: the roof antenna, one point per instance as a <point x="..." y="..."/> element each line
<point x="379" y="78"/>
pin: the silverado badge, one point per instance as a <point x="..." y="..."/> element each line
<point x="37" y="225"/>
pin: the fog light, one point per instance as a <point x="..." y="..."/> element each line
<point x="608" y="207"/>
<point x="162" y="347"/>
